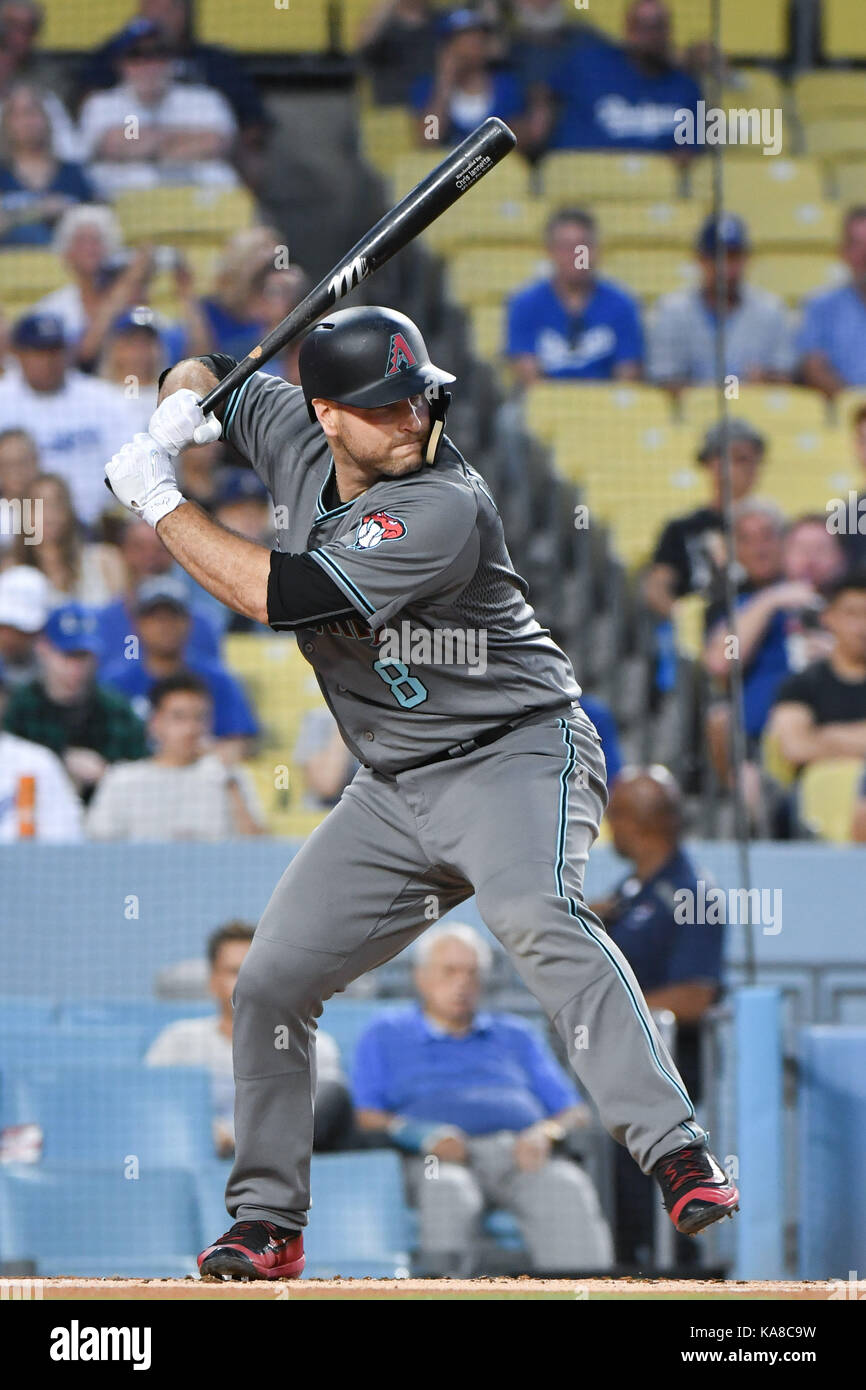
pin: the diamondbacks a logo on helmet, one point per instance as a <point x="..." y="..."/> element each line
<point x="400" y="355"/>
<point x="376" y="527"/>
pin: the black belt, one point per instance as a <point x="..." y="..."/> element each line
<point x="459" y="750"/>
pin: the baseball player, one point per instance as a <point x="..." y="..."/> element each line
<point x="480" y="777"/>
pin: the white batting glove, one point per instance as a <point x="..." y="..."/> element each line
<point x="141" y="476"/>
<point x="180" y="421"/>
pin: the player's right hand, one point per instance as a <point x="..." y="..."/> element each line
<point x="180" y="421"/>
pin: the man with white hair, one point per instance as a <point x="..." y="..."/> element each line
<point x="478" y="1104"/>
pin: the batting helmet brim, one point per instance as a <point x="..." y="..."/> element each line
<point x="415" y="381"/>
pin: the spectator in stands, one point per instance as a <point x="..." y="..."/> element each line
<point x="681" y="333"/>
<point x="150" y="128"/>
<point x="483" y="1095"/>
<point x="690" y="551"/>
<point x="90" y="572"/>
<point x="207" y="1042"/>
<point x="395" y="43"/>
<point x="194" y="62"/>
<point x="853" y="538"/>
<point x="676" y="957"/>
<point x="627" y="98"/>
<point x="21" y="61"/>
<point x="131" y="359"/>
<point x="184" y="791"/>
<point x="282" y="291"/>
<point x="25" y="603"/>
<point x="605" y="726"/>
<point x="574" y="325"/>
<point x="821" y="712"/>
<point x="8" y="365"/>
<point x="145" y="557"/>
<point x="164" y="624"/>
<point x="87" y="238"/>
<point x="326" y="764"/>
<point x="77" y="422"/>
<point x="85" y="724"/>
<point x="36" y="187"/>
<point x="465" y="87"/>
<point x="234" y="312"/>
<point x="19" y="465"/>
<point x="52" y="811"/>
<point x="541" y="36"/>
<point x="832" y="340"/>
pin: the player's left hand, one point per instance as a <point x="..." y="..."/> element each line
<point x="180" y="421"/>
<point x="141" y="476"/>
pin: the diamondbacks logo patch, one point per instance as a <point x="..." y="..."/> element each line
<point x="376" y="527"/>
<point x="400" y="355"/>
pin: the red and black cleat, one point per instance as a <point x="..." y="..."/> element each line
<point x="695" y="1189"/>
<point x="254" y="1250"/>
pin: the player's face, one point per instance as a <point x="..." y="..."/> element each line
<point x="389" y="440"/>
<point x="450" y="982"/>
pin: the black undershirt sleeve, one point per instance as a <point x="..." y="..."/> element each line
<point x="300" y="593"/>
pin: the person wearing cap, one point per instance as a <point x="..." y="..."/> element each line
<point x="55" y="813"/>
<point x="133" y="354"/>
<point x="164" y="620"/>
<point x="682" y="328"/>
<point x="25" y="602"/>
<point x="36" y="187"/>
<point x="85" y="724"/>
<point x="395" y="42"/>
<point x="574" y="325"/>
<point x="184" y="791"/>
<point x="465" y="87"/>
<point x="184" y="131"/>
<point x="831" y="343"/>
<point x="75" y="421"/>
<point x="690" y="551"/>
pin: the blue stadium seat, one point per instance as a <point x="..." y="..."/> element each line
<point x="91" y="1221"/>
<point x="151" y="1014"/>
<point x="20" y="1047"/>
<point x="346" y="1020"/>
<point x="359" y="1224"/>
<point x="21" y="1011"/>
<point x="103" y="1113"/>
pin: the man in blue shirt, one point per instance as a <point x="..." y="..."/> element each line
<point x="574" y="326"/>
<point x="832" y="338"/>
<point x="677" y="958"/>
<point x="163" y="622"/>
<point x="465" y="87"/>
<point x="477" y="1101"/>
<point x="624" y="98"/>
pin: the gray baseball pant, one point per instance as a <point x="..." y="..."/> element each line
<point x="513" y="823"/>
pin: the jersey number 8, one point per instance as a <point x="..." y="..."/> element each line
<point x="406" y="689"/>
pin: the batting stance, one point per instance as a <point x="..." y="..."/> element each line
<point x="485" y="779"/>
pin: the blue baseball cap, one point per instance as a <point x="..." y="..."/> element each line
<point x="142" y="318"/>
<point x="72" y="628"/>
<point x="144" y="32"/>
<point x="239" y="485"/>
<point x="729" y="229"/>
<point x="162" y="591"/>
<point x="39" y="331"/>
<point x="461" y="21"/>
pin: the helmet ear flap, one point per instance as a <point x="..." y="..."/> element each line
<point x="438" y="410"/>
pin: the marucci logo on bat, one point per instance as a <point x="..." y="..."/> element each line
<point x="350" y="276"/>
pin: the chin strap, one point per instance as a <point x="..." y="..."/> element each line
<point x="438" y="410"/>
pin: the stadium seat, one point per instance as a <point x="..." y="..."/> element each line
<point x="489" y="274"/>
<point x="25" y="1047"/>
<point x="672" y="224"/>
<point x="748" y="182"/>
<point x="104" y="1113"/>
<point x="689" y="620"/>
<point x="650" y="272"/>
<point x="151" y="1015"/>
<point x="843" y="29"/>
<point x="748" y="30"/>
<point x="826" y="93"/>
<point x="795" y="274"/>
<point x="826" y="796"/>
<point x="186" y="213"/>
<point x="491" y="217"/>
<point x="26" y="275"/>
<point x="569" y="177"/>
<point x="77" y="28"/>
<point x="770" y="408"/>
<point x="91" y="1221"/>
<point x="834" y="137"/>
<point x="387" y="133"/>
<point x="21" y="1011"/>
<point x="346" y="1019"/>
<point x="850" y="181"/>
<point x="265" y="26"/>
<point x="753" y="86"/>
<point x="555" y="408"/>
<point x="488" y="327"/>
<point x="510" y="179"/>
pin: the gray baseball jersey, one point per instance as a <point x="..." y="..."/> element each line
<point x="447" y="646"/>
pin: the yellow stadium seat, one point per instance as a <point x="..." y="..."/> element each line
<point x="487" y="323"/>
<point x="651" y="271"/>
<point x="673" y="224"/>
<point x="849" y="176"/>
<point x="510" y="179"/>
<point x="835" y="137"/>
<point x="489" y="274"/>
<point x="634" y="529"/>
<point x="489" y="217"/>
<point x="184" y="213"/>
<point x="748" y="30"/>
<point x="281" y="684"/>
<point x="30" y="274"/>
<point x="626" y="454"/>
<point x="554" y="407"/>
<point x="265" y="26"/>
<point x="844" y="406"/>
<point x="85" y="26"/>
<point x="748" y="183"/>
<point x="387" y="133"/>
<point x="823" y="93"/>
<point x="285" y="813"/>
<point x="689" y="619"/>
<point x="771" y="409"/>
<point x="802" y="226"/>
<point x="352" y="14"/>
<point x="575" y="177"/>
<point x="843" y="29"/>
<point x="748" y="87"/>
<point x="795" y="274"/>
<point x="827" y="796"/>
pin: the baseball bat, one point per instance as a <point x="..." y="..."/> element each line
<point x="468" y="162"/>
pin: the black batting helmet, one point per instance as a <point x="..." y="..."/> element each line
<point x="369" y="357"/>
